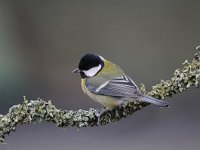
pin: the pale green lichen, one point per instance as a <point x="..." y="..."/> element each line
<point x="38" y="110"/>
<point x="181" y="81"/>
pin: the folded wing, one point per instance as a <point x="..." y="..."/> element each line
<point x="117" y="87"/>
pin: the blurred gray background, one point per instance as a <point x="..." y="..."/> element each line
<point x="42" y="41"/>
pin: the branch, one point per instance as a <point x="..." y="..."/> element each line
<point x="38" y="110"/>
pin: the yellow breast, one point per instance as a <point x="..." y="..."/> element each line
<point x="83" y="85"/>
<point x="107" y="101"/>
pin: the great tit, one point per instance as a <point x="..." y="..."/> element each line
<point x="107" y="84"/>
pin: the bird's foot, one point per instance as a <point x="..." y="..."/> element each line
<point x="99" y="114"/>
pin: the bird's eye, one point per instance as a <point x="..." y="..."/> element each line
<point x="83" y="74"/>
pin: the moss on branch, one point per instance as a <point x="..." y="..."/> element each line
<point x="38" y="110"/>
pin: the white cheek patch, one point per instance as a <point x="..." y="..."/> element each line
<point x="93" y="71"/>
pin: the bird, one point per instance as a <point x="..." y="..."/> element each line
<point x="107" y="84"/>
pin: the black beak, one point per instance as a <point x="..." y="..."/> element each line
<point x="76" y="70"/>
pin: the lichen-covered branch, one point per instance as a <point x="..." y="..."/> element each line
<point x="38" y="110"/>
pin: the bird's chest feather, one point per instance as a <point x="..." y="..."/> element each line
<point x="83" y="85"/>
<point x="107" y="101"/>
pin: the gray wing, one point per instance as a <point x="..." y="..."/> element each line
<point x="117" y="87"/>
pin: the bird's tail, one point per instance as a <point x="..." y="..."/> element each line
<point x="154" y="101"/>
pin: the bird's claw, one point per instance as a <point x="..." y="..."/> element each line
<point x="99" y="114"/>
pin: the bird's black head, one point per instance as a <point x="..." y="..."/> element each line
<point x="89" y="65"/>
<point x="89" y="61"/>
